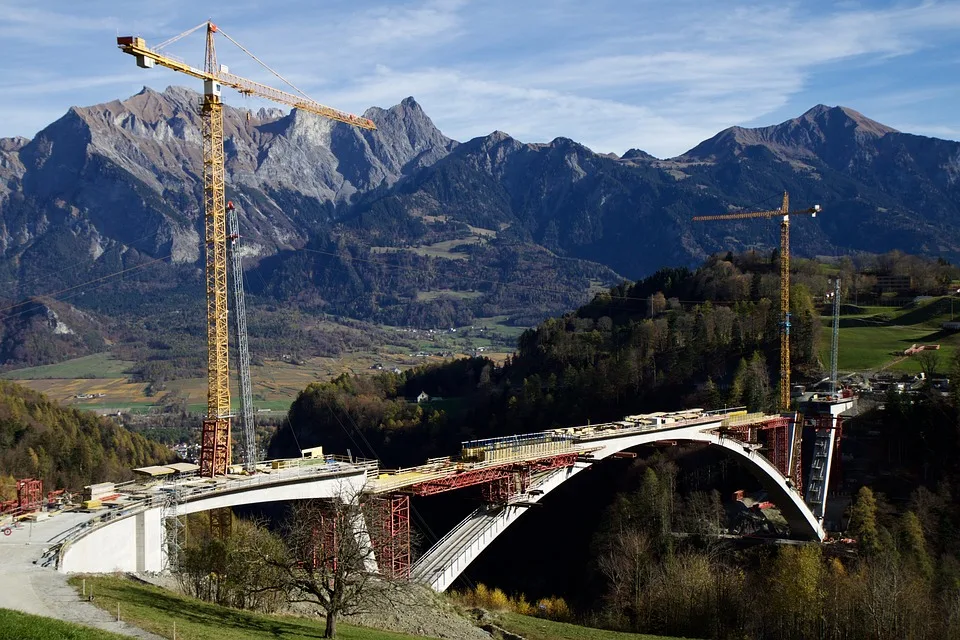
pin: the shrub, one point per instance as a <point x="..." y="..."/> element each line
<point x="521" y="606"/>
<point x="499" y="600"/>
<point x="553" y="608"/>
<point x="481" y="595"/>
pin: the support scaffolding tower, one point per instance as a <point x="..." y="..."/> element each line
<point x="176" y="528"/>
<point x="390" y="534"/>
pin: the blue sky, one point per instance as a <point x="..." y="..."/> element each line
<point x="659" y="76"/>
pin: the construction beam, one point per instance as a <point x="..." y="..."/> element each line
<point x="485" y="475"/>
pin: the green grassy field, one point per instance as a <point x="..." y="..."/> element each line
<point x="276" y="383"/>
<point x="24" y="626"/>
<point x="540" y="629"/>
<point x="98" y="365"/>
<point x="156" y="610"/>
<point x="875" y="337"/>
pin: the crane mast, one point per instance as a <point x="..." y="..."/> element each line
<point x="785" y="303"/>
<point x="835" y="338"/>
<point x="215" y="445"/>
<point x="784" y="213"/>
<point x="215" y="442"/>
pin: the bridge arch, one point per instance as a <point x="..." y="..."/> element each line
<point x="449" y="557"/>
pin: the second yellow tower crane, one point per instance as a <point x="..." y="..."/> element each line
<point x="785" y="213"/>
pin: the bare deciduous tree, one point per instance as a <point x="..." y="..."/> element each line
<point x="329" y="560"/>
<point x="929" y="362"/>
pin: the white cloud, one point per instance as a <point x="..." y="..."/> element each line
<point x="610" y="74"/>
<point x="390" y="26"/>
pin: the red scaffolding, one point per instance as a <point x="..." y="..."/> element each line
<point x="773" y="434"/>
<point x="389" y="529"/>
<point x="776" y="441"/>
<point x="502" y="474"/>
<point x="29" y="494"/>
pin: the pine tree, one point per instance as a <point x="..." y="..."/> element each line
<point x="915" y="545"/>
<point x="863" y="522"/>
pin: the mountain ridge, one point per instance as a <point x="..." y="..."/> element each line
<point x="114" y="186"/>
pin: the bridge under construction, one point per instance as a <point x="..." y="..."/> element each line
<point x="140" y="522"/>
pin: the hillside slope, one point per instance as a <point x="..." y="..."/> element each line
<point x="66" y="448"/>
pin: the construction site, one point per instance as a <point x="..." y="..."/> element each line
<point x="793" y="452"/>
<point x="505" y="467"/>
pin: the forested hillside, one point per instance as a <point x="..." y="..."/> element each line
<point x="66" y="448"/>
<point x="677" y="338"/>
<point x="658" y="344"/>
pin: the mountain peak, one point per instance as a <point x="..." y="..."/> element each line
<point x="822" y="115"/>
<point x="410" y="103"/>
<point x="637" y="154"/>
<point x="822" y="131"/>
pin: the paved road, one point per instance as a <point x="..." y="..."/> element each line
<point x="26" y="585"/>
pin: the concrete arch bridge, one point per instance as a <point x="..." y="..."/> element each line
<point x="514" y="473"/>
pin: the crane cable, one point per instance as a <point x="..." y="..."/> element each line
<point x="101" y="279"/>
<point x="264" y="64"/>
<point x="18" y="283"/>
<point x="182" y="35"/>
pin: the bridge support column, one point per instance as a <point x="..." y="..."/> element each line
<point x="358" y="525"/>
<point x="221" y="523"/>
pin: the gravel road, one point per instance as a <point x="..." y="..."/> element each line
<point x="31" y="587"/>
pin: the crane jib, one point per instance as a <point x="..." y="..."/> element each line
<point x="148" y="58"/>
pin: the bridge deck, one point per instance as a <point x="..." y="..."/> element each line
<point x="582" y="441"/>
<point x="403" y="479"/>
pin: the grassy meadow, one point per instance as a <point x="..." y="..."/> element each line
<point x="874" y="338"/>
<point x="24" y="626"/>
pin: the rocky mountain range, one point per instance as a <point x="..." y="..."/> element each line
<point x="404" y="225"/>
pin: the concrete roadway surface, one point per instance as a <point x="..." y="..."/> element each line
<point x="29" y="586"/>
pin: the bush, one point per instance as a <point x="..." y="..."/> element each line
<point x="521" y="606"/>
<point x="553" y="608"/>
<point x="500" y="601"/>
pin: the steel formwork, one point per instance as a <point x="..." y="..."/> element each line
<point x="502" y="449"/>
<point x="773" y="434"/>
<point x="777" y="442"/>
<point x="29" y="494"/>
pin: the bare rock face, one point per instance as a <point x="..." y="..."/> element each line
<point x="129" y="174"/>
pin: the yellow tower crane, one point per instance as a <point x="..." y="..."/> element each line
<point x="216" y="437"/>
<point x="785" y="212"/>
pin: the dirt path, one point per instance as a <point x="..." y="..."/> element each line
<point x="31" y="587"/>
